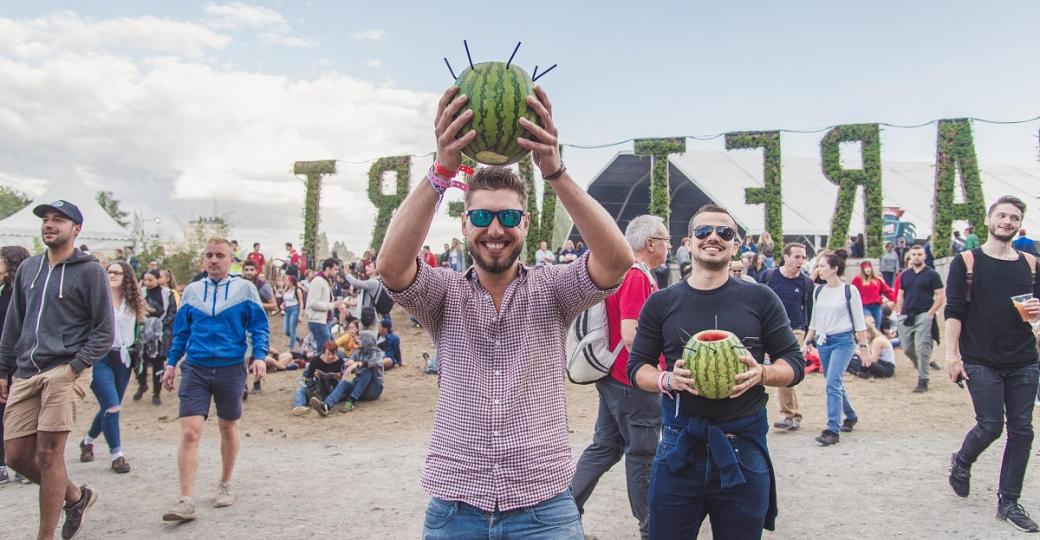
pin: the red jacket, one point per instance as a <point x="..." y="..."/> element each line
<point x="871" y="293"/>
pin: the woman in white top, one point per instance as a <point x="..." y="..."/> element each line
<point x="835" y="328"/>
<point x="112" y="373"/>
<point x="881" y="351"/>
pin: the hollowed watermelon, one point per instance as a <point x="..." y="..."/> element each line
<point x="498" y="97"/>
<point x="714" y="358"/>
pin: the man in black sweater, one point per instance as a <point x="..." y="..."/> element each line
<point x="733" y="482"/>
<point x="989" y="345"/>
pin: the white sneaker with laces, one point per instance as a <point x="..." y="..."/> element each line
<point x="225" y="497"/>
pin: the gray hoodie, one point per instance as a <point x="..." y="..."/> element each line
<point x="59" y="315"/>
<point x="370" y="355"/>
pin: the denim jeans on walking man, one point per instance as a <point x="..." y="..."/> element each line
<point x="915" y="335"/>
<point x="554" y="519"/>
<point x="629" y="424"/>
<point x="109" y="385"/>
<point x="994" y="391"/>
<point x="835" y="354"/>
<point x="321" y="333"/>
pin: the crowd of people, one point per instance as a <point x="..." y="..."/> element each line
<point x="499" y="456"/>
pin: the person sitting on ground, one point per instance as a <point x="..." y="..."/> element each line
<point x="284" y="360"/>
<point x="884" y="365"/>
<point x="390" y="343"/>
<point x="348" y="342"/>
<point x="367" y="367"/>
<point x="314" y="381"/>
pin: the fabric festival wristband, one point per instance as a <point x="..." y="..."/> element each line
<point x="441" y="185"/>
<point x="660" y="383"/>
<point x="443" y="171"/>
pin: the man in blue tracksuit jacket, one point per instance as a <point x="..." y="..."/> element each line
<point x="210" y="332"/>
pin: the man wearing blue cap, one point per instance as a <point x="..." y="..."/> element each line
<point x="59" y="321"/>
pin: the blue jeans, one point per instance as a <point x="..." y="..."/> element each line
<point x="835" y="354"/>
<point x="364" y="387"/>
<point x="994" y="391"/>
<point x="292" y="320"/>
<point x="874" y="310"/>
<point x="680" y="502"/>
<point x="321" y="334"/>
<point x="109" y="385"/>
<point x="554" y="519"/>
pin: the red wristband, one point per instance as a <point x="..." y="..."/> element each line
<point x="443" y="171"/>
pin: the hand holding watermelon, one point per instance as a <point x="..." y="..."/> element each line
<point x="755" y="374"/>
<point x="682" y="379"/>
<point x="545" y="149"/>
<point x="447" y="127"/>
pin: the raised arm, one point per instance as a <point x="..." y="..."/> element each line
<point x="610" y="255"/>
<point x="411" y="222"/>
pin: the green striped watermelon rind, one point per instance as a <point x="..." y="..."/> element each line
<point x="498" y="97"/>
<point x="705" y="354"/>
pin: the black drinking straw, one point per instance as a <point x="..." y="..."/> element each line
<point x="452" y="71"/>
<point x="538" y="76"/>
<point x="467" y="53"/>
<point x="514" y="54"/>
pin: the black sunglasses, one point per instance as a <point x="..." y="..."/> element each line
<point x="483" y="218"/>
<point x="726" y="233"/>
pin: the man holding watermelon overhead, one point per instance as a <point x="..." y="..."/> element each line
<point x="499" y="460"/>
<point x="713" y="460"/>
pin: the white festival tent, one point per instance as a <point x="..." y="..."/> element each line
<point x="100" y="232"/>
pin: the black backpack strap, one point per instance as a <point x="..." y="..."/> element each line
<point x="848" y="305"/>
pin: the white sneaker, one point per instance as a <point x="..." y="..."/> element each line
<point x="184" y="510"/>
<point x="225" y="497"/>
<point x="300" y="411"/>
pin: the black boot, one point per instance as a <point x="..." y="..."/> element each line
<point x="922" y="386"/>
<point x="141" y="389"/>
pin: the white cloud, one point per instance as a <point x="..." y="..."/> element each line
<point x="238" y="16"/>
<point x="66" y="31"/>
<point x="175" y="137"/>
<point x="271" y="27"/>
<point x="369" y="35"/>
<point x="375" y="62"/>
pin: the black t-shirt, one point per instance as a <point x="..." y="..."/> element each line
<point x="919" y="289"/>
<point x="992" y="332"/>
<point x="794" y="294"/>
<point x="749" y="310"/>
<point x="317" y="364"/>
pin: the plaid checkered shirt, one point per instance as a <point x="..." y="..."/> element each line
<point x="500" y="438"/>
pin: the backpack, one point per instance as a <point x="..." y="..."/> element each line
<point x="151" y="339"/>
<point x="969" y="264"/>
<point x="368" y="316"/>
<point x="848" y="299"/>
<point x="589" y="356"/>
<point x="383" y="303"/>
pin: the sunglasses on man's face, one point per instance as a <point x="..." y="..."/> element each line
<point x="726" y="233"/>
<point x="483" y="218"/>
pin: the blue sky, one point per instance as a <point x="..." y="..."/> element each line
<point x="626" y="69"/>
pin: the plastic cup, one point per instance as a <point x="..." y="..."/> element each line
<point x="1020" y="304"/>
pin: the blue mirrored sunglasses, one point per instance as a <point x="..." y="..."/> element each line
<point x="483" y="218"/>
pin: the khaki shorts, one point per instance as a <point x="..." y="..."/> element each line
<point x="45" y="402"/>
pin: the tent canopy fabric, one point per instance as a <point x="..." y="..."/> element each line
<point x="100" y="232"/>
<point x="809" y="198"/>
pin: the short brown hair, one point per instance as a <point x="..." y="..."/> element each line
<point x="790" y="245"/>
<point x="491" y="178"/>
<point x="712" y="208"/>
<point x="1008" y="199"/>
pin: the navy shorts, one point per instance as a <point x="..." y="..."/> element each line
<point x="223" y="385"/>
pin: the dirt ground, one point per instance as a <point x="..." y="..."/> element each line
<point x="356" y="475"/>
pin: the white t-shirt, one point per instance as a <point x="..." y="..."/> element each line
<point x="887" y="354"/>
<point x="543" y="257"/>
<point x="830" y="314"/>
